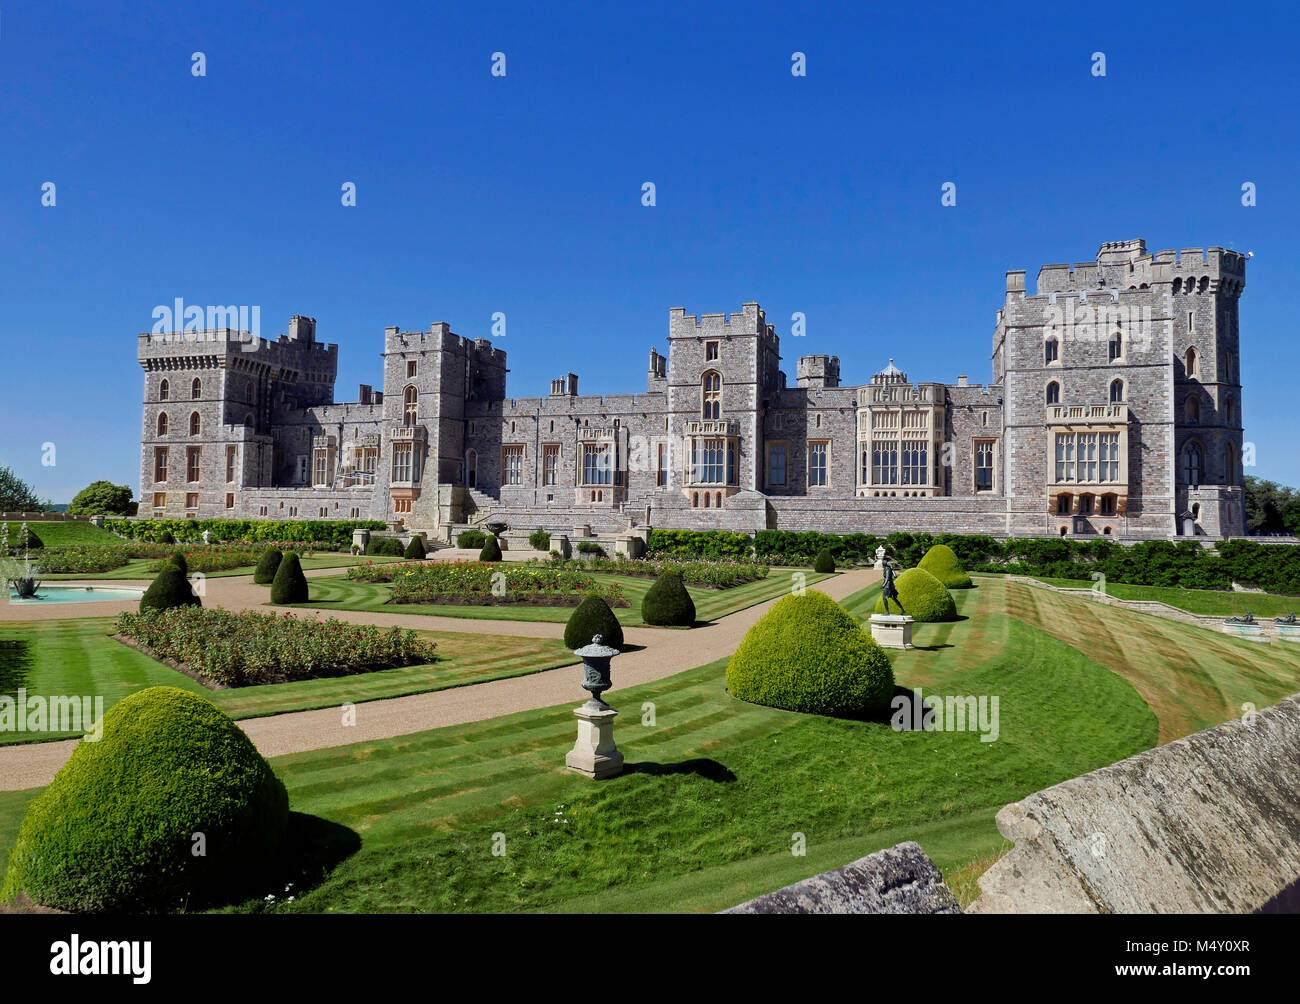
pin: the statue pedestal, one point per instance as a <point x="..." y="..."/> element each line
<point x="1288" y="632"/>
<point x="892" y="630"/>
<point x="594" y="755"/>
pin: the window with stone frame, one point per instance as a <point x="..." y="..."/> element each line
<point x="597" y="463"/>
<point x="193" y="463"/>
<point x="196" y="423"/>
<point x="550" y="463"/>
<point x="884" y="461"/>
<point x="819" y="453"/>
<point x="160" y="500"/>
<point x="231" y="453"/>
<point x="710" y="351"/>
<point x="1116" y="346"/>
<point x="512" y="465"/>
<point x="410" y="406"/>
<point x="322" y="467"/>
<point x="191" y="500"/>
<point x="160" y="463"/>
<point x="1116" y="391"/>
<point x="162" y="423"/>
<point x="984" y="452"/>
<point x="711" y="392"/>
<point x="164" y="391"/>
<point x="196" y="389"/>
<point x="916" y="468"/>
<point x="776" y="464"/>
<point x="1053" y="393"/>
<point x="406" y="464"/>
<point x="1051" y="351"/>
<point x="661" y="465"/>
<point x="1106" y="505"/>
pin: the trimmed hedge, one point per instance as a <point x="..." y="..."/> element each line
<point x="923" y="596"/>
<point x="389" y="547"/>
<point x="289" y="584"/>
<point x="115" y="830"/>
<point x="287" y="531"/>
<point x="701" y="543"/>
<point x="667" y="603"/>
<point x="267" y="565"/>
<point x="539" y="540"/>
<point x="941" y="562"/>
<point x="169" y="589"/>
<point x="415" y="549"/>
<point x="824" y="562"/>
<point x="491" y="550"/>
<point x="592" y="617"/>
<point x="808" y="654"/>
<point x="471" y="538"/>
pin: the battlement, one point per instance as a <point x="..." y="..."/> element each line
<point x="440" y="337"/>
<point x="818" y="371"/>
<point x="1128" y="265"/>
<point x="751" y="320"/>
<point x="224" y="341"/>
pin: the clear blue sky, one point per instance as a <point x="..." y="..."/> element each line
<point x="522" y="194"/>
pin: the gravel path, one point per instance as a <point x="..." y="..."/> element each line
<point x="665" y="652"/>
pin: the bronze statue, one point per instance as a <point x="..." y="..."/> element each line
<point x="887" y="588"/>
<point x="1288" y="619"/>
<point x="1246" y="618"/>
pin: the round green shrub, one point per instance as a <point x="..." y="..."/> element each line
<point x="667" y="602"/>
<point x="115" y="829"/>
<point x="389" y="547"/>
<point x="178" y="559"/>
<point x="808" y="654"/>
<point x="415" y="549"/>
<point x="169" y="589"/>
<point x="167" y="538"/>
<point x="923" y="596"/>
<point x="539" y="540"/>
<point x="267" y="565"/>
<point x="469" y="539"/>
<point x="824" y="562"/>
<point x="941" y="562"/>
<point x="289" y="584"/>
<point x="592" y="617"/>
<point x="491" y="550"/>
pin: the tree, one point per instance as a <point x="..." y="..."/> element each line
<point x="16" y="495"/>
<point x="1266" y="503"/>
<point x="102" y="498"/>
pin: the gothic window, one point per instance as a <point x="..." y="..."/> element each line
<point x="410" y="408"/>
<point x="550" y="464"/>
<point x="776" y="464"/>
<point x="984" y="465"/>
<point x="1230" y="412"/>
<point x="1085" y="505"/>
<point x="410" y="368"/>
<point x="597" y="464"/>
<point x="164" y="390"/>
<point x="710" y="351"/>
<point x="1063" y="504"/>
<point x="512" y="464"/>
<point x="194" y="423"/>
<point x="915" y="463"/>
<point x="1116" y="346"/>
<point x="884" y="461"/>
<point x="1189" y="364"/>
<point x="160" y="463"/>
<point x="712" y="393"/>
<point x="1051" y="351"/>
<point x="1116" y="391"/>
<point x="1053" y="393"/>
<point x="162" y="423"/>
<point x="193" y="459"/>
<point x="818" y="464"/>
<point x="1193" y="464"/>
<point x="196" y="389"/>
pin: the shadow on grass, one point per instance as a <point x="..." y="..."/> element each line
<point x="710" y="770"/>
<point x="15" y="665"/>
<point x="312" y="848"/>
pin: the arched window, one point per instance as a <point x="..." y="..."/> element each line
<point x="712" y="393"/>
<point x="194" y="423"/>
<point x="1116" y="391"/>
<point x="1053" y="393"/>
<point x="1229" y="464"/>
<point x="248" y="421"/>
<point x="1193" y="464"/>
<point x="1051" y="350"/>
<point x="410" y="400"/>
<point x="1189" y="364"/>
<point x="164" y="391"/>
<point x="1116" y="346"/>
<point x="196" y="389"/>
<point x="162" y="423"/>
<point x="1192" y="409"/>
<point x="1230" y="412"/>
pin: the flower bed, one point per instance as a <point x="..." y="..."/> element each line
<point x="720" y="574"/>
<point x="79" y="559"/>
<point x="473" y="582"/>
<point x="224" y="558"/>
<point x="225" y="649"/>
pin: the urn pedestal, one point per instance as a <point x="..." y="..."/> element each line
<point x="594" y="754"/>
<point x="892" y="630"/>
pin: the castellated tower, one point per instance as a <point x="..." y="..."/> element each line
<point x="723" y="371"/>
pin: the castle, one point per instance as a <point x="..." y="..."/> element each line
<point x="1114" y="410"/>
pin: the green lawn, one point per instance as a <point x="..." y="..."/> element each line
<point x="58" y="533"/>
<point x="1213" y="602"/>
<point x="139" y="568"/>
<point x="339" y="593"/>
<point x="77" y="657"/>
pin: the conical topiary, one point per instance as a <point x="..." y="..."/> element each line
<point x="118" y="827"/>
<point x="667" y="603"/>
<point x="592" y="617"/>
<point x="168" y="589"/>
<point x="415" y="549"/>
<point x="289" y="584"/>
<point x="178" y="559"/>
<point x="491" y="550"/>
<point x="267" y="565"/>
<point x="824" y="562"/>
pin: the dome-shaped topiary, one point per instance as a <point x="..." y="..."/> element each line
<point x="415" y="549"/>
<point x="808" y="654"/>
<point x="267" y="565"/>
<point x="491" y="550"/>
<point x="289" y="584"/>
<point x="668" y="603"/>
<point x="923" y="596"/>
<point x="592" y="617"/>
<point x="941" y="562"/>
<point x="824" y="562"/>
<point x="117" y="828"/>
<point x="178" y="559"/>
<point x="169" y="589"/>
<point x="166" y="538"/>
